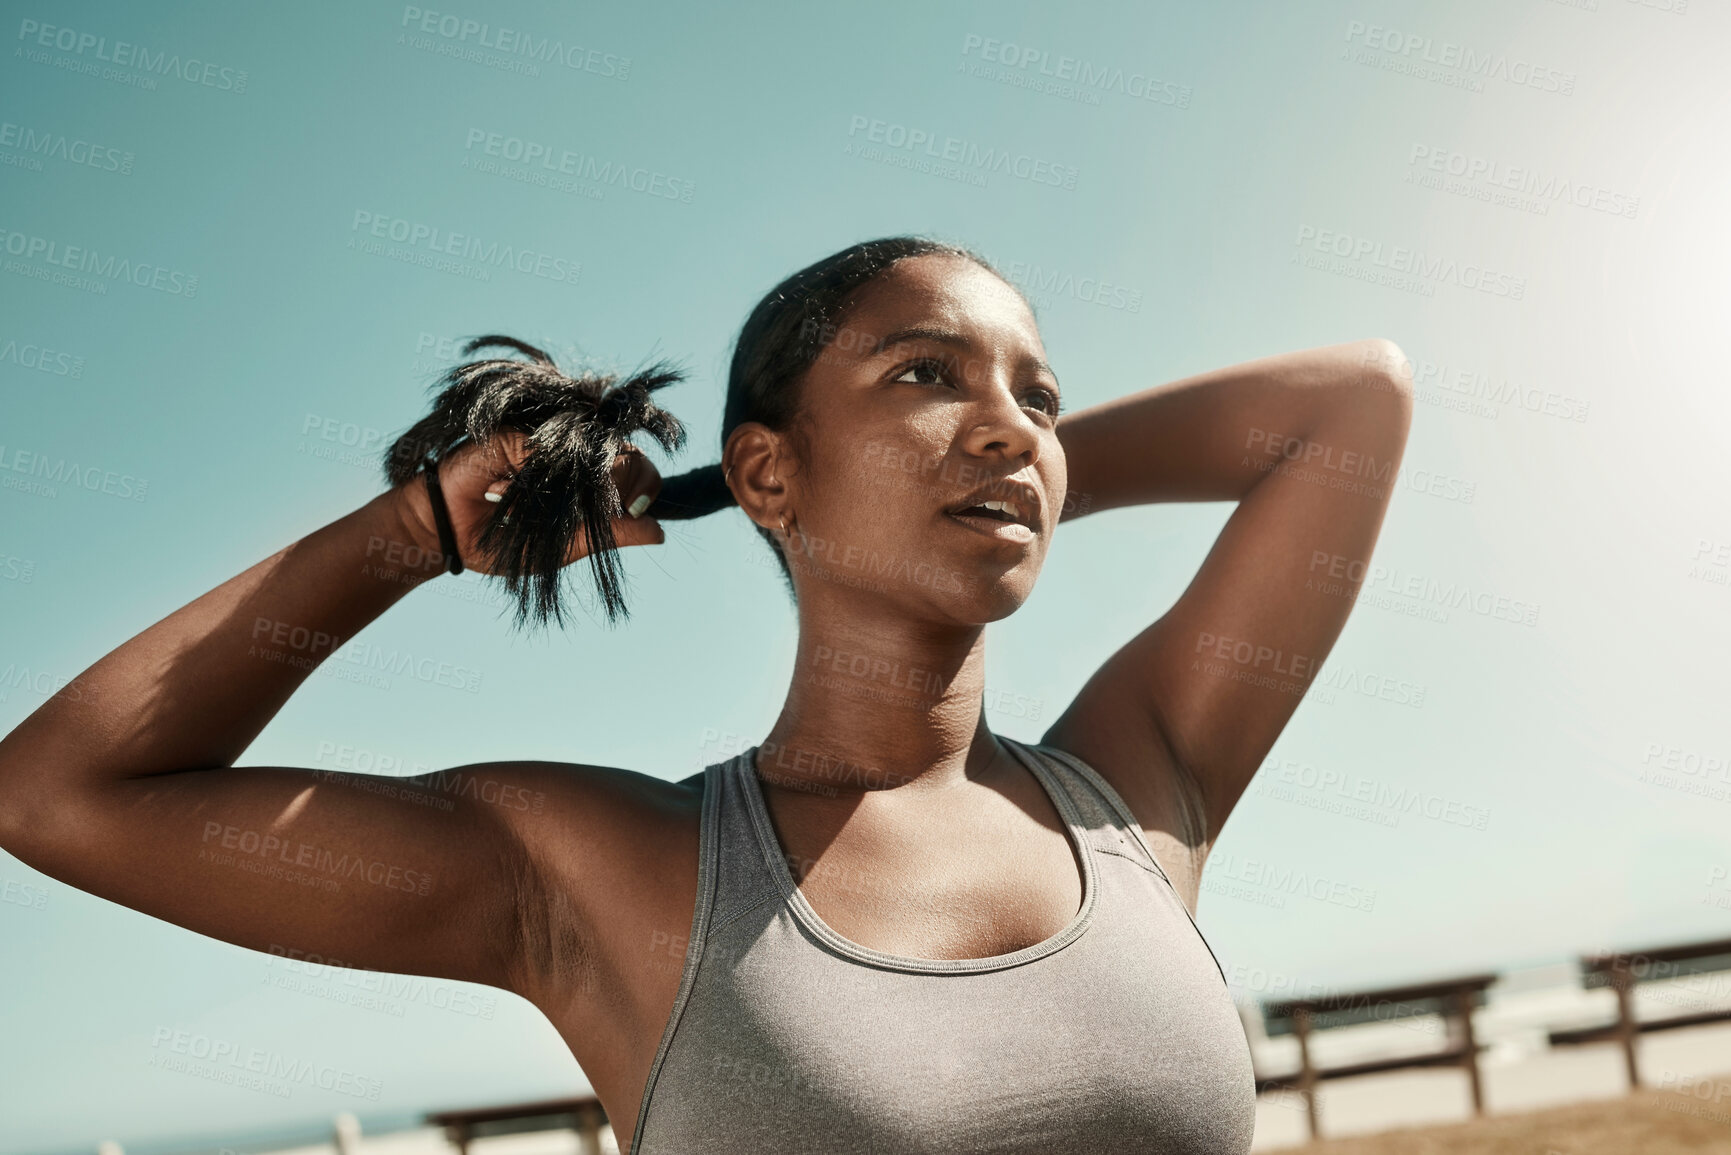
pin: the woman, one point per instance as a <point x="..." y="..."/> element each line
<point x="884" y="928"/>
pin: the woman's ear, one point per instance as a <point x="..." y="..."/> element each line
<point x="757" y="464"/>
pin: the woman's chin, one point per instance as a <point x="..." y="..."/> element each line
<point x="986" y="600"/>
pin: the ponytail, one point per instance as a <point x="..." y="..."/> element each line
<point x="575" y="426"/>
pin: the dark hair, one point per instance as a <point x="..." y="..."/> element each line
<point x="575" y="426"/>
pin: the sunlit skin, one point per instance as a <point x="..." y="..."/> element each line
<point x="940" y="845"/>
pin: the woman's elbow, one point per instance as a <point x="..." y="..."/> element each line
<point x="1379" y="378"/>
<point x="1384" y="366"/>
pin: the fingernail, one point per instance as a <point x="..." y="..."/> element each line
<point x="640" y="503"/>
<point x="495" y="498"/>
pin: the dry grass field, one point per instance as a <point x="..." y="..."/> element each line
<point x="1646" y="1123"/>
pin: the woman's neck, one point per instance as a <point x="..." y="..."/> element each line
<point x="880" y="703"/>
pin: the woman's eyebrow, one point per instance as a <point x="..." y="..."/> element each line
<point x="919" y="333"/>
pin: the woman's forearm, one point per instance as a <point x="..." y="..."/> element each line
<point x="195" y="689"/>
<point x="1205" y="438"/>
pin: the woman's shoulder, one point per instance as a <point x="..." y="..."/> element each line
<point x="609" y="860"/>
<point x="574" y="803"/>
<point x="1146" y="793"/>
<point x="632" y="785"/>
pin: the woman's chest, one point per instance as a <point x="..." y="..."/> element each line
<point x="1122" y="1039"/>
<point x="946" y="897"/>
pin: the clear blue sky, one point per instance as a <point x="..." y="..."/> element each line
<point x="1252" y="178"/>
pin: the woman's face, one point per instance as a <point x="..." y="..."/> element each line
<point x="931" y="396"/>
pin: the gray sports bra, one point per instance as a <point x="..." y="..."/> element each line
<point x="1117" y="1034"/>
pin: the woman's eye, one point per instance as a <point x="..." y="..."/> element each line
<point x="931" y="372"/>
<point x="1047" y="400"/>
<point x="926" y="372"/>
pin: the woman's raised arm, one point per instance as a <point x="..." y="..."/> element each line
<point x="1308" y="444"/>
<point x="123" y="783"/>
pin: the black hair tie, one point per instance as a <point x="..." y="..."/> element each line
<point x="442" y="518"/>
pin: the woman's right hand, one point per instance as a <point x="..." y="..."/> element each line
<point x="468" y="476"/>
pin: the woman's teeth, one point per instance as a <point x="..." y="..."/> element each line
<point x="1008" y="508"/>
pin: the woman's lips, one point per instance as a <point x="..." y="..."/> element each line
<point x="1010" y="531"/>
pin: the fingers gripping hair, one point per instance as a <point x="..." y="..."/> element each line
<point x="574" y="427"/>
